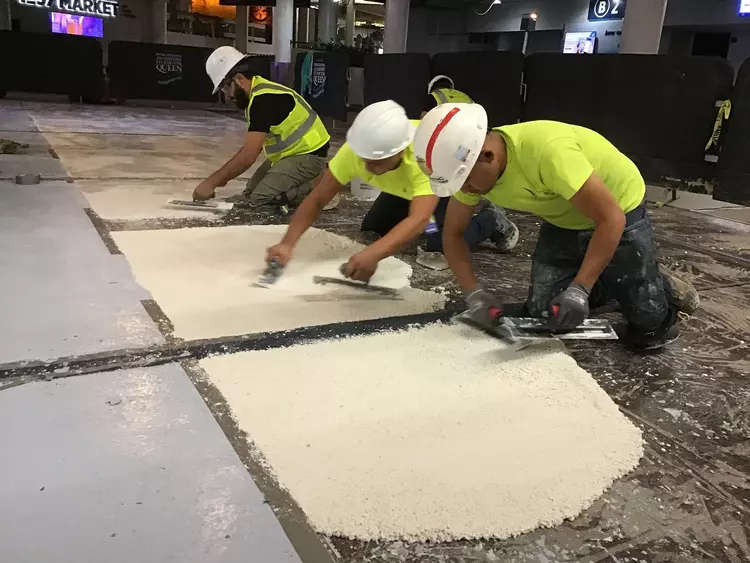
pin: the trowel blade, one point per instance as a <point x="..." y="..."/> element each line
<point x="386" y="291"/>
<point x="529" y="330"/>
<point x="214" y="206"/>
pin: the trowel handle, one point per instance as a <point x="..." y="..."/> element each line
<point x="495" y="313"/>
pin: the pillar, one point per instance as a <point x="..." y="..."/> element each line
<point x="351" y="13"/>
<point x="283" y="26"/>
<point x="159" y="21"/>
<point x="396" y="26"/>
<point x="241" y="29"/>
<point x="306" y="25"/>
<point x="327" y="20"/>
<point x="5" y="23"/>
<point x="642" y="27"/>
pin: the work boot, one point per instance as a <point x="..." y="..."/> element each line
<point x="680" y="293"/>
<point x="333" y="204"/>
<point x="651" y="340"/>
<point x="505" y="235"/>
<point x="432" y="260"/>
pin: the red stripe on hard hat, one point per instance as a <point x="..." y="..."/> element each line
<point x="436" y="133"/>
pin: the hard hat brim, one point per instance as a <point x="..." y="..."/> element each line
<point x="363" y="154"/>
<point x="223" y="78"/>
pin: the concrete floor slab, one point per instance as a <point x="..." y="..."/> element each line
<point x="93" y="155"/>
<point x="739" y="214"/>
<point x="62" y="292"/>
<point x="63" y="118"/>
<point x="13" y="117"/>
<point x="143" y="199"/>
<point x="49" y="167"/>
<point x="126" y="466"/>
<point x="685" y="200"/>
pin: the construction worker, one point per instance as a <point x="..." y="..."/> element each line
<point x="378" y="150"/>
<point x="441" y="90"/>
<point x="280" y="123"/>
<point x="596" y="241"/>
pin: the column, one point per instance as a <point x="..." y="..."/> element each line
<point x="641" y="29"/>
<point x="159" y="21"/>
<point x="283" y="26"/>
<point x="327" y="20"/>
<point x="396" y="26"/>
<point x="305" y="25"/>
<point x="351" y="13"/>
<point x="5" y="15"/>
<point x="241" y="29"/>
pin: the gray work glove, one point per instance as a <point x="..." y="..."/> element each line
<point x="570" y="308"/>
<point x="484" y="310"/>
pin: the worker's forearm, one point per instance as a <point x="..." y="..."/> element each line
<point x="303" y="218"/>
<point x="601" y="249"/>
<point x="237" y="165"/>
<point x="398" y="237"/>
<point x="458" y="256"/>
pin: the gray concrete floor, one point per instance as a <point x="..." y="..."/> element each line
<point x="124" y="465"/>
<point x="145" y="463"/>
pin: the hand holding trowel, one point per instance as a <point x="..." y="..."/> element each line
<point x="484" y="314"/>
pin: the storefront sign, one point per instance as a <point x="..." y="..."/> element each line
<point x="99" y="8"/>
<point x="600" y="10"/>
<point x="169" y="66"/>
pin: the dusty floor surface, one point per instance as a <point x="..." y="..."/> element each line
<point x="688" y="501"/>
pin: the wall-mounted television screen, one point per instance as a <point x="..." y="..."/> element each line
<point x="76" y="25"/>
<point x="580" y="43"/>
<point x="745" y="7"/>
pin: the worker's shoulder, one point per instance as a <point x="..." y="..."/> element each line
<point x="541" y="129"/>
<point x="536" y="136"/>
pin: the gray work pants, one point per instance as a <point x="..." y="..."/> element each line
<point x="286" y="182"/>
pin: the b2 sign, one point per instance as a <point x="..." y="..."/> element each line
<point x="745" y="7"/>
<point x="606" y="10"/>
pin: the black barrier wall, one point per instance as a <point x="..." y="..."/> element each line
<point x="321" y="78"/>
<point x="734" y="161"/>
<point x="399" y="77"/>
<point x="51" y="64"/>
<point x="660" y="110"/>
<point x="492" y="79"/>
<point x="159" y="72"/>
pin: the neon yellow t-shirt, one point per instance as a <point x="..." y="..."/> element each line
<point x="548" y="162"/>
<point x="407" y="181"/>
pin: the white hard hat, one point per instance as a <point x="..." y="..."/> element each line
<point x="447" y="144"/>
<point x="381" y="130"/>
<point x="437" y="79"/>
<point x="220" y="63"/>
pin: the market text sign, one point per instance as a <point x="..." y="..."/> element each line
<point x="101" y="8"/>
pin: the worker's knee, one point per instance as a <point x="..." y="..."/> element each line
<point x="645" y="305"/>
<point x="260" y="197"/>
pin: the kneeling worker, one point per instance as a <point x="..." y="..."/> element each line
<point x="596" y="241"/>
<point x="378" y="150"/>
<point x="441" y="90"/>
<point x="280" y="123"/>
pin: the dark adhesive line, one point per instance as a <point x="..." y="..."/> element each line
<point x="101" y="228"/>
<point x="198" y="349"/>
<point x="161" y="320"/>
<point x="304" y="539"/>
